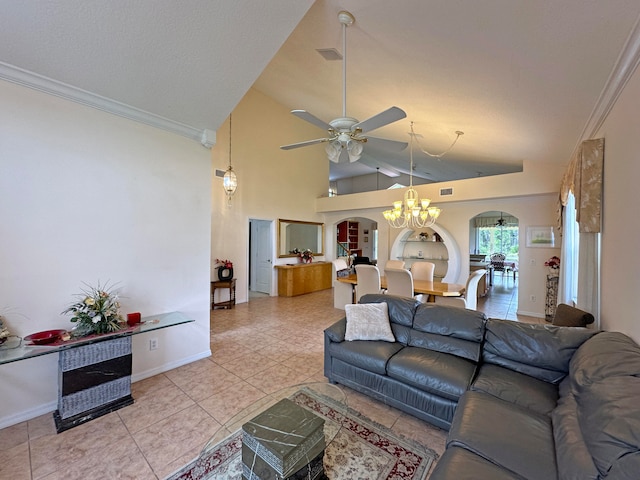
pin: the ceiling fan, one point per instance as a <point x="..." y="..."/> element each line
<point x="346" y="134"/>
<point x="501" y="222"/>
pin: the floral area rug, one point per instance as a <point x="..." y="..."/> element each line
<point x="360" y="449"/>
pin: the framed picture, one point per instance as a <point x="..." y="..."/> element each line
<point x="540" y="237"/>
<point x="366" y="232"/>
<point x="366" y="239"/>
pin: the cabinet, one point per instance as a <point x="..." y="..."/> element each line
<point x="298" y="279"/>
<point x="348" y="234"/>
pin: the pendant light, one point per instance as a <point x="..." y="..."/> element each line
<point x="230" y="181"/>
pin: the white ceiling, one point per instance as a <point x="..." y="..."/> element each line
<point x="519" y="77"/>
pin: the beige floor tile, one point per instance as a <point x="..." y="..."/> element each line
<point x="14" y="462"/>
<point x="154" y="406"/>
<point x="176" y="435"/>
<point x="50" y="453"/>
<point x="122" y="460"/>
<point x="14" y="435"/>
<point x="227" y="403"/>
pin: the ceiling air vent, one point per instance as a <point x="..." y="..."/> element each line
<point x="219" y="173"/>
<point x="329" y="53"/>
<point x="444" y="192"/>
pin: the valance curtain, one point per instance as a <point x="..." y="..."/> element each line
<point x="583" y="178"/>
<point x="509" y="221"/>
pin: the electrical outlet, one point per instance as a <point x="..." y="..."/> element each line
<point x="532" y="298"/>
<point x="153" y="344"/>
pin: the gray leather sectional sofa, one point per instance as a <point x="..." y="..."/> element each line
<point x="520" y="401"/>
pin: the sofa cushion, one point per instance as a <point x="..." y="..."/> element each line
<point x="369" y="355"/>
<point x="572" y="455"/>
<point x="460" y="464"/>
<point x="401" y="309"/>
<point x="368" y="322"/>
<point x="506" y="434"/>
<point x="435" y="372"/>
<point x="541" y="351"/>
<point x="605" y="379"/>
<point x="448" y="329"/>
<point x="515" y="387"/>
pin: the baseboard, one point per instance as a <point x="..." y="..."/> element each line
<point x="28" y="414"/>
<point x="165" y="367"/>
<point x="50" y="407"/>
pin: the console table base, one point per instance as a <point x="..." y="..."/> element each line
<point x="67" y="423"/>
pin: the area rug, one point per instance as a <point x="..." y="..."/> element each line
<point x="361" y="449"/>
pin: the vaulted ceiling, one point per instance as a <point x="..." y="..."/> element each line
<point x="519" y="77"/>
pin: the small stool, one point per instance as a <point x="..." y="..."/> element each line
<point x="231" y="285"/>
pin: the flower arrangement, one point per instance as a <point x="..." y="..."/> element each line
<point x="553" y="262"/>
<point x="96" y="311"/>
<point x="306" y="256"/>
<point x="224" y="263"/>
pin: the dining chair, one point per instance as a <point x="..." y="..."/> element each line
<point x="368" y="280"/>
<point x="423" y="271"/>
<point x="340" y="264"/>
<point x="497" y="262"/>
<point x="470" y="298"/>
<point x="394" y="264"/>
<point x="399" y="282"/>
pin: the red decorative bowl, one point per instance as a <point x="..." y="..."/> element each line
<point x="42" y="338"/>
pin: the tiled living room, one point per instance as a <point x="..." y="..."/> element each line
<point x="258" y="348"/>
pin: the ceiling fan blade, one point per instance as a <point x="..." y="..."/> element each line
<point x="385" y="144"/>
<point x="304" y="144"/>
<point x="304" y="115"/>
<point x="390" y="115"/>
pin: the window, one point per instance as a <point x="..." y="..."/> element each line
<point x="498" y="240"/>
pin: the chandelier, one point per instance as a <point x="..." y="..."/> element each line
<point x="412" y="212"/>
<point x="229" y="181"/>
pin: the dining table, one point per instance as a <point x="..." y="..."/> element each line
<point x="432" y="289"/>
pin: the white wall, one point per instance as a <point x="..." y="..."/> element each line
<point x="86" y="196"/>
<point x="620" y="268"/>
<point x="272" y="183"/>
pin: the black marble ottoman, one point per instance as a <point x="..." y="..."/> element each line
<point x="284" y="442"/>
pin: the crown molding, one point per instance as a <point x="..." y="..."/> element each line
<point x="623" y="70"/>
<point x="47" y="85"/>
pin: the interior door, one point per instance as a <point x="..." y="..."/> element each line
<point x="261" y="251"/>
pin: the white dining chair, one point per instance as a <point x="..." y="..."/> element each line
<point x="340" y="264"/>
<point x="470" y="298"/>
<point x="399" y="282"/>
<point x="394" y="264"/>
<point x="423" y="271"/>
<point x="368" y="280"/>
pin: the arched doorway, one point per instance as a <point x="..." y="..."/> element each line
<point x="357" y="236"/>
<point x="496" y="232"/>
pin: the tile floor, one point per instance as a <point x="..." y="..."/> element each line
<point x="258" y="348"/>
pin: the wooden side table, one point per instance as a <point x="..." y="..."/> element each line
<point x="231" y="285"/>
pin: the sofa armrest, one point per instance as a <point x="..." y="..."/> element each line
<point x="336" y="332"/>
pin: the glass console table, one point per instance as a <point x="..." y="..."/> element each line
<point x="94" y="372"/>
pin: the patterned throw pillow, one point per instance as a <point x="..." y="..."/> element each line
<point x="368" y="321"/>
